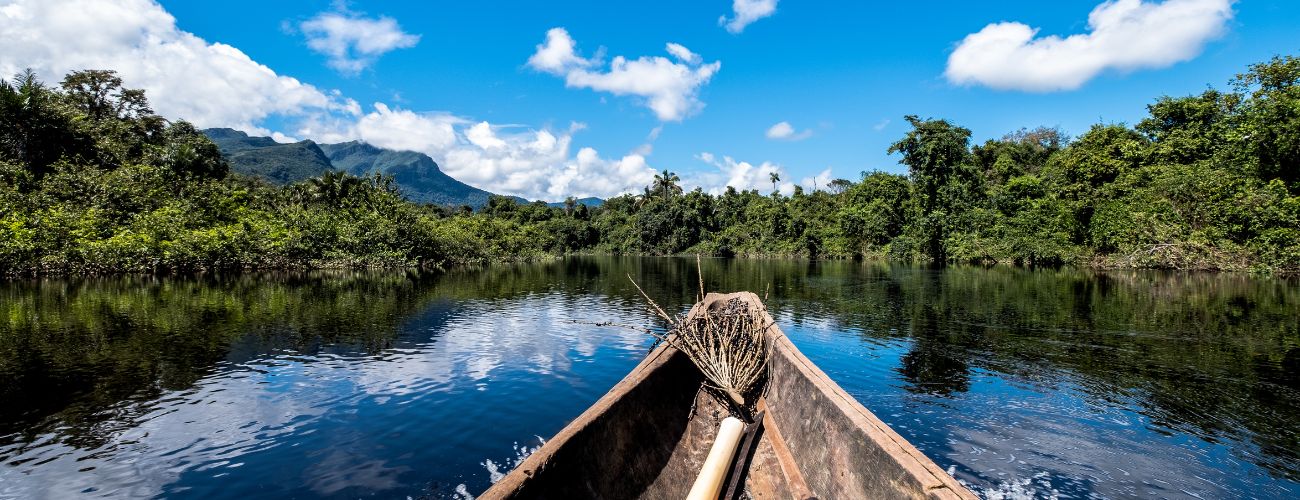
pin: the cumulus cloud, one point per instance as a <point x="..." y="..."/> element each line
<point x="745" y="176"/>
<point x="216" y="85"/>
<point x="353" y="42"/>
<point x="741" y="175"/>
<point x="1122" y="35"/>
<point x="745" y="12"/>
<point x="783" y="131"/>
<point x="534" y="164"/>
<point x="557" y="54"/>
<point x="669" y="87"/>
<point x="210" y="84"/>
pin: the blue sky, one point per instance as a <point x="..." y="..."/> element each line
<point x="842" y="74"/>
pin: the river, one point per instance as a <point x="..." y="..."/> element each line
<point x="1021" y="383"/>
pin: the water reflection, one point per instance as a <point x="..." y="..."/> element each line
<point x="365" y="383"/>
<point x="346" y="384"/>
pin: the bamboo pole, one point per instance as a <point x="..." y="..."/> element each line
<point x="709" y="483"/>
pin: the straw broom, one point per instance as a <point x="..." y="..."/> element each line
<point x="728" y="343"/>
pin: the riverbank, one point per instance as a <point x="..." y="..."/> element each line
<point x="1094" y="264"/>
<point x="1205" y="182"/>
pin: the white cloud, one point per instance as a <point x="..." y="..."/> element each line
<point x="556" y="55"/>
<point x="216" y="85"/>
<point x="669" y="88"/>
<point x="353" y="42"/>
<point x="783" y="131"/>
<point x="741" y="175"/>
<point x="405" y="130"/>
<point x="1123" y="35"/>
<point x="683" y="54"/>
<point x="745" y="176"/>
<point x="818" y="182"/>
<point x="534" y="164"/>
<point x="880" y="125"/>
<point x="185" y="77"/>
<point x="745" y="12"/>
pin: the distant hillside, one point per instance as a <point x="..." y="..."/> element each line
<point x="590" y="202"/>
<point x="416" y="174"/>
<point x="263" y="157"/>
<point x="233" y="141"/>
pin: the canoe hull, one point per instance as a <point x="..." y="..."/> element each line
<point x="648" y="436"/>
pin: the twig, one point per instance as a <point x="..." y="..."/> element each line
<point x="658" y="309"/>
<point x="700" y="273"/>
<point x="615" y="325"/>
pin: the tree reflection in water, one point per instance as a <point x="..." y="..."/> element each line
<point x="1215" y="357"/>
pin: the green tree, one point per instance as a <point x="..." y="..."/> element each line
<point x="937" y="157"/>
<point x="35" y="128"/>
<point x="100" y="95"/>
<point x="1269" y="124"/>
<point x="188" y="152"/>
<point x="666" y="184"/>
<point x="1189" y="129"/>
<point x="875" y="210"/>
<point x="1083" y="174"/>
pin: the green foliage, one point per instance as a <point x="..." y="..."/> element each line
<point x="37" y="128"/>
<point x="945" y="181"/>
<point x="92" y="181"/>
<point x="282" y="163"/>
<point x="1269" y="121"/>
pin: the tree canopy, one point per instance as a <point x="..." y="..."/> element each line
<point x="91" y="180"/>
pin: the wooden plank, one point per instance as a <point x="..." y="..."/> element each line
<point x="789" y="468"/>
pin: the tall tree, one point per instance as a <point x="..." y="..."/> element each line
<point x="775" y="178"/>
<point x="100" y="95"/>
<point x="666" y="183"/>
<point x="937" y="156"/>
<point x="35" y="130"/>
<point x="1270" y="118"/>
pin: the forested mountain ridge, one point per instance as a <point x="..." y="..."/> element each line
<point x="92" y="181"/>
<point x="416" y="175"/>
<point x="263" y="157"/>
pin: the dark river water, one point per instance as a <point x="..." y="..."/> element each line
<point x="1020" y="383"/>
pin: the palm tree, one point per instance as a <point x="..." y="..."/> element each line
<point x="666" y="183"/>
<point x="775" y="177"/>
<point x="335" y="187"/>
<point x="569" y="204"/>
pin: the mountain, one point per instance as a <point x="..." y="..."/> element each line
<point x="417" y="175"/>
<point x="591" y="202"/>
<point x="263" y="157"/>
<point x="233" y="141"/>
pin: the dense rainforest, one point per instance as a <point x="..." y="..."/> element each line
<point x="93" y="181"/>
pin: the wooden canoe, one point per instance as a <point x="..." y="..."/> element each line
<point x="649" y="435"/>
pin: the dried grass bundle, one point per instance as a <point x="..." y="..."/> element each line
<point x="727" y="342"/>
